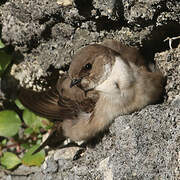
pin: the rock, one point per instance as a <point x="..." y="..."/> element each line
<point x="176" y="101"/>
<point x="65" y="2"/>
<point x="49" y="166"/>
<point x="142" y="145"/>
<point x="22" y="171"/>
<point x="142" y="12"/>
<point x="105" y="168"/>
<point x="168" y="62"/>
<point x="111" y="9"/>
<point x="65" y="164"/>
<point x="65" y="153"/>
<point x="149" y="144"/>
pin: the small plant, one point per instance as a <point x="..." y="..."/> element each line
<point x="20" y="130"/>
<point x="21" y="138"/>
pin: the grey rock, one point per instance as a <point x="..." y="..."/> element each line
<point x="26" y="21"/>
<point x="80" y="171"/>
<point x="143" y="145"/>
<point x="65" y="153"/>
<point x="24" y="171"/>
<point x="37" y="176"/>
<point x="168" y="61"/>
<point x="147" y="143"/>
<point x="8" y="177"/>
<point x="176" y="101"/>
<point x="141" y="12"/>
<point x="112" y="9"/>
<point x="106" y="169"/>
<point x="166" y="17"/>
<point x="49" y="166"/>
<point x="173" y="6"/>
<point x="65" y="164"/>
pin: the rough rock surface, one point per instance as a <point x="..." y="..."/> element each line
<point x="143" y="145"/>
<point x="169" y="64"/>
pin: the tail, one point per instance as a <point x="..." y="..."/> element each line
<point x="48" y="104"/>
<point x="54" y="139"/>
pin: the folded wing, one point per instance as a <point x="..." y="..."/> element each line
<point x="48" y="104"/>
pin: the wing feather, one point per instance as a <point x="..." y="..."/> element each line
<point x="48" y="104"/>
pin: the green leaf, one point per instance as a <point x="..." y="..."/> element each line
<point x="31" y="120"/>
<point x="19" y="105"/>
<point x="34" y="121"/>
<point x="4" y="142"/>
<point x="25" y="145"/>
<point x="5" y="60"/>
<point x="1" y="45"/>
<point x="9" y="123"/>
<point x="39" y="141"/>
<point x="35" y="159"/>
<point x="9" y="160"/>
<point x="28" y="131"/>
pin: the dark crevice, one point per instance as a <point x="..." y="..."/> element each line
<point x="33" y="43"/>
<point x="0" y="30"/>
<point x="3" y="2"/>
<point x="50" y="80"/>
<point x="107" y="24"/>
<point x="46" y="34"/>
<point x="104" y="23"/>
<point x="65" y="67"/>
<point x="8" y="84"/>
<point x="118" y="10"/>
<point x="52" y="76"/>
<point x="84" y="7"/>
<point x="157" y="13"/>
<point x="156" y="42"/>
<point x="56" y="17"/>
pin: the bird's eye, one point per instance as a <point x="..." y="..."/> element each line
<point x="88" y="66"/>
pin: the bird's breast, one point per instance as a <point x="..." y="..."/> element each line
<point x="121" y="77"/>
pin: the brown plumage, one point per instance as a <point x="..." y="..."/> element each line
<point x="103" y="82"/>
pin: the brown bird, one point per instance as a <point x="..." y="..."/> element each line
<point x="104" y="81"/>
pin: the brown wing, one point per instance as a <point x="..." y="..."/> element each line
<point x="59" y="103"/>
<point x="48" y="104"/>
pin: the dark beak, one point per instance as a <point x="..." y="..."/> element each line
<point x="75" y="82"/>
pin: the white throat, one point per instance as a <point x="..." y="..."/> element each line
<point x="121" y="76"/>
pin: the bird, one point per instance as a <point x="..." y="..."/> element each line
<point x="104" y="81"/>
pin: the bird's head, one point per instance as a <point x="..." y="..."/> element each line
<point x="91" y="66"/>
